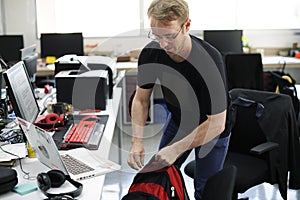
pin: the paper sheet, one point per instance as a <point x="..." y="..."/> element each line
<point x="18" y="149"/>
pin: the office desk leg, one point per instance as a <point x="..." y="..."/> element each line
<point x="120" y="132"/>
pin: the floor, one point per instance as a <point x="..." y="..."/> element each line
<point x="117" y="183"/>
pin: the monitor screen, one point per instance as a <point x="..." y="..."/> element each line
<point x="60" y="44"/>
<point x="9" y="48"/>
<point x="29" y="56"/>
<point x="20" y="92"/>
<point x="226" y="41"/>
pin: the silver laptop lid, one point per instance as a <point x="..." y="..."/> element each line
<point x="43" y="145"/>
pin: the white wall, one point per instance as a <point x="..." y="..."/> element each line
<point x="20" y="18"/>
<point x="1" y="19"/>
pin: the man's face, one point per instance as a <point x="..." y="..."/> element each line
<point x="170" y="35"/>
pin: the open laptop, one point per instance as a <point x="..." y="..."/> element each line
<point x="48" y="154"/>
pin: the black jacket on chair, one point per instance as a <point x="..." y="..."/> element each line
<point x="282" y="131"/>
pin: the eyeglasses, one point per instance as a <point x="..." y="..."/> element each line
<point x="167" y="38"/>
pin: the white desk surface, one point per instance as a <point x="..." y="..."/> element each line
<point x="92" y="188"/>
<point x="126" y="66"/>
<point x="45" y="70"/>
<point x="278" y="61"/>
<point x="268" y="62"/>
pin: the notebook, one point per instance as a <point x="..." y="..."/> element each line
<point x="48" y="154"/>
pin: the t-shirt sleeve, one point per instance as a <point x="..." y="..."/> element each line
<point x="146" y="76"/>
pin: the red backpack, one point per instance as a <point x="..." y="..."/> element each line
<point x="161" y="184"/>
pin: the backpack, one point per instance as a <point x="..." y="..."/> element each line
<point x="8" y="179"/>
<point x="162" y="184"/>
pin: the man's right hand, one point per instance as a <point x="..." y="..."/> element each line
<point x="136" y="156"/>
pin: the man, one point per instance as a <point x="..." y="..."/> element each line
<point x="192" y="78"/>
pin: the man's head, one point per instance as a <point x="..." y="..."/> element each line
<point x="166" y="11"/>
<point x="170" y="23"/>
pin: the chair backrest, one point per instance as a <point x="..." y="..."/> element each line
<point x="220" y="185"/>
<point x="249" y="106"/>
<point x="244" y="71"/>
<point x="246" y="128"/>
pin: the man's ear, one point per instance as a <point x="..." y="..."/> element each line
<point x="187" y="25"/>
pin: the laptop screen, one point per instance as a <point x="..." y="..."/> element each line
<point x="43" y="145"/>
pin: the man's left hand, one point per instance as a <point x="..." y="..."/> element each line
<point x="167" y="155"/>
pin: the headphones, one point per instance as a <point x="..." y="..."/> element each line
<point x="51" y="120"/>
<point x="55" y="178"/>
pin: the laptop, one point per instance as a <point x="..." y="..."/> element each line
<point x="79" y="163"/>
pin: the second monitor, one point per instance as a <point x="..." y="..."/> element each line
<point x="226" y="41"/>
<point x="29" y="56"/>
<point x="60" y="44"/>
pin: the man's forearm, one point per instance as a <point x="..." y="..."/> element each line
<point x="139" y="117"/>
<point x="204" y="133"/>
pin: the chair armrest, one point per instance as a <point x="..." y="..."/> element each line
<point x="263" y="148"/>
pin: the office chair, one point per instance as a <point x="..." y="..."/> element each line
<point x="264" y="144"/>
<point x="244" y="71"/>
<point x="218" y="186"/>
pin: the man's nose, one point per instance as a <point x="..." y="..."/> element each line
<point x="163" y="43"/>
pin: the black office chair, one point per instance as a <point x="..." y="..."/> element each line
<point x="264" y="144"/>
<point x="244" y="71"/>
<point x="218" y="186"/>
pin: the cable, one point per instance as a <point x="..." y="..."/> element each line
<point x="26" y="174"/>
<point x="283" y="64"/>
<point x="46" y="100"/>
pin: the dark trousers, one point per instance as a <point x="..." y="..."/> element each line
<point x="209" y="157"/>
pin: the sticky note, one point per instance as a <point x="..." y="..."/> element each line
<point x="24" y="188"/>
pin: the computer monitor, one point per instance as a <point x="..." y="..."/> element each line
<point x="226" y="41"/>
<point x="3" y="66"/>
<point x="60" y="44"/>
<point x="29" y="56"/>
<point x="9" y="48"/>
<point x="20" y="92"/>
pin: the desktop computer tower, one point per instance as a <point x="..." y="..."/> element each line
<point x="84" y="90"/>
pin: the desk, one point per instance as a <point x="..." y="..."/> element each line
<point x="292" y="65"/>
<point x="91" y="187"/>
<point x="269" y="62"/>
<point x="272" y="62"/>
<point x="45" y="70"/>
<point x="127" y="66"/>
<point x="276" y="62"/>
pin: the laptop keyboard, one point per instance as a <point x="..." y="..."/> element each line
<point x="75" y="166"/>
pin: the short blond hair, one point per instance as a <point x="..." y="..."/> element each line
<point x="169" y="10"/>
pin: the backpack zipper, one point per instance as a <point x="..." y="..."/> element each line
<point x="172" y="191"/>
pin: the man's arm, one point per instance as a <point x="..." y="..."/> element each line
<point x="205" y="132"/>
<point x="139" y="115"/>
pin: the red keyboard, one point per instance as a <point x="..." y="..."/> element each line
<point x="81" y="132"/>
<point x="84" y="134"/>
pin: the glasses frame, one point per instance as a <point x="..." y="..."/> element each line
<point x="158" y="38"/>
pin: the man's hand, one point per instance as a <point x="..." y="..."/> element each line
<point x="167" y="155"/>
<point x="136" y="156"/>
